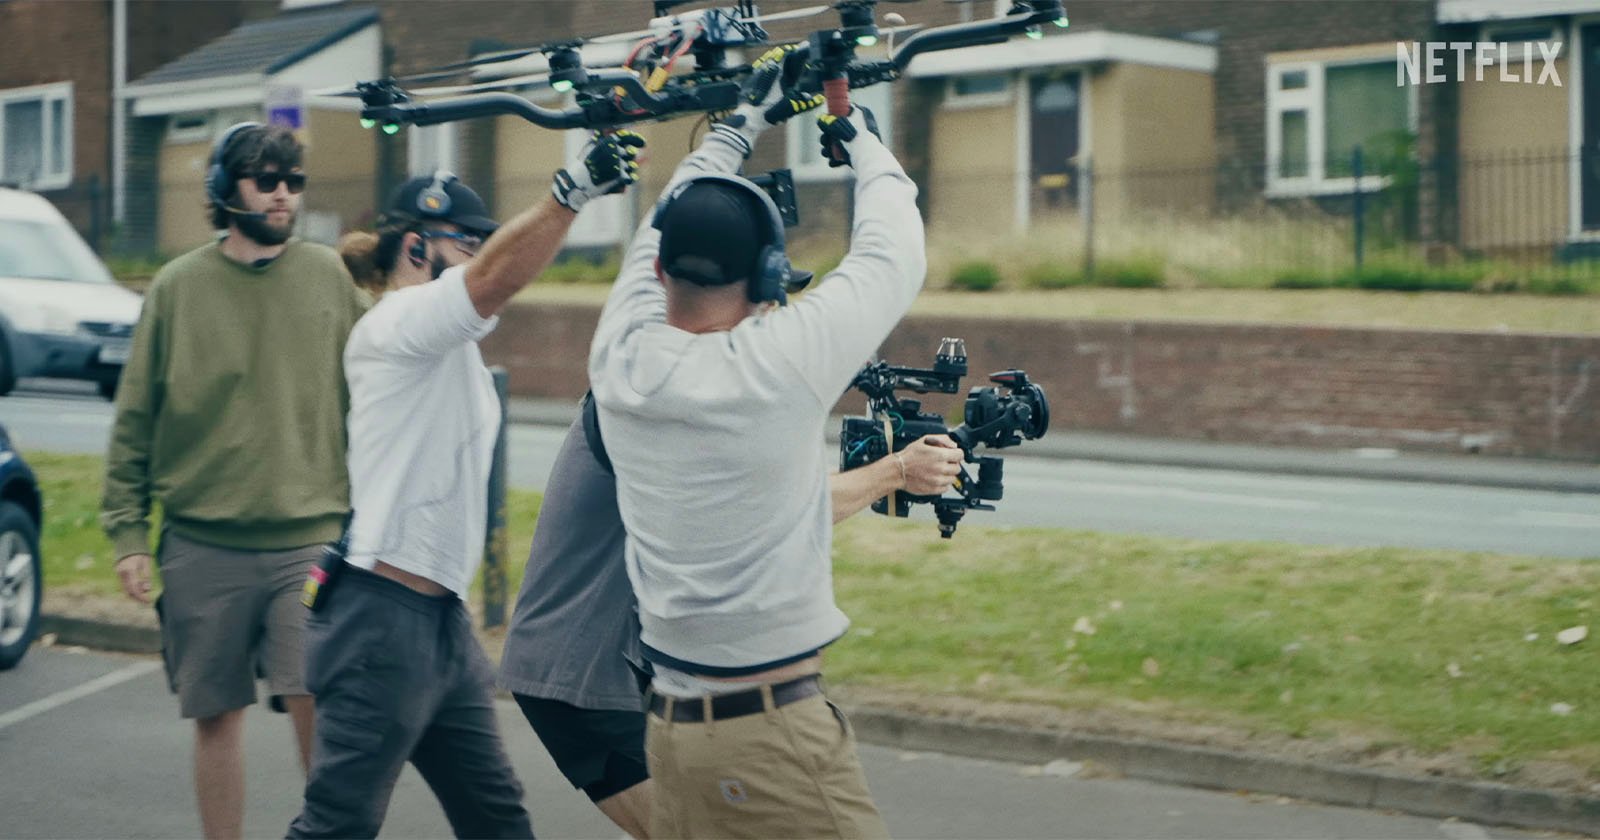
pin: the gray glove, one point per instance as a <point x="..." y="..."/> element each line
<point x="765" y="103"/>
<point x="610" y="164"/>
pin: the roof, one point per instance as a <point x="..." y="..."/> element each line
<point x="1077" y="46"/>
<point x="265" y="46"/>
<point x="1471" y="11"/>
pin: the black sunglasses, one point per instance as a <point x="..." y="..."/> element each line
<point x="268" y="182"/>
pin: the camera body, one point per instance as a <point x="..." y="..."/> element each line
<point x="997" y="416"/>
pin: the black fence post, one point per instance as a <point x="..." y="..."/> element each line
<point x="96" y="216"/>
<point x="1086" y="207"/>
<point x="1359" y="205"/>
<point x="494" y="549"/>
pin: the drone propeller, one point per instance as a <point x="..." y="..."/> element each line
<point x="678" y="21"/>
<point x="510" y="83"/>
<point x="513" y="54"/>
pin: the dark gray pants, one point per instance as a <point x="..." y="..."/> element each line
<point x="398" y="676"/>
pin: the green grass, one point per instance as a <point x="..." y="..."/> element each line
<point x="77" y="555"/>
<point x="1316" y="305"/>
<point x="1285" y="639"/>
<point x="1265" y="638"/>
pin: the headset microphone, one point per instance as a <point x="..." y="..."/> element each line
<point x="245" y="214"/>
<point x="218" y="185"/>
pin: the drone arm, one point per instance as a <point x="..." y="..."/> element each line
<point x="974" y="34"/>
<point x="475" y="105"/>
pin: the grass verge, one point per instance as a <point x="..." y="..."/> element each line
<point x="1423" y="650"/>
<point x="1325" y="307"/>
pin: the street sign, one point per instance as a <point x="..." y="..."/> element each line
<point x="285" y="106"/>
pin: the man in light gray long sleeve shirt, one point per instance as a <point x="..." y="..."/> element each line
<point x="707" y="400"/>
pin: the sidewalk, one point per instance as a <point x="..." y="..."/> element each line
<point x="1379" y="464"/>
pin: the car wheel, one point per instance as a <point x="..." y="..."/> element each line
<point x="21" y="583"/>
<point x="108" y="389"/>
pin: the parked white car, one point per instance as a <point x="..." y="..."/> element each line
<point x="61" y="313"/>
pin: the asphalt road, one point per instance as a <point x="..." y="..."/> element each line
<point x="1121" y="498"/>
<point x="91" y="746"/>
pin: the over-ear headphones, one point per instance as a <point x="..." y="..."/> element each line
<point x="771" y="275"/>
<point x="433" y="202"/>
<point x="218" y="185"/>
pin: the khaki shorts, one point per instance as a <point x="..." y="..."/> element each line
<point x="785" y="772"/>
<point x="229" y="617"/>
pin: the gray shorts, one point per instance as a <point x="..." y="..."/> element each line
<point x="229" y="617"/>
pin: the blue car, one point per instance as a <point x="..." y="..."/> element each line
<point x="21" y="581"/>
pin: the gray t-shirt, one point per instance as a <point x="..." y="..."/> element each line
<point x="575" y="628"/>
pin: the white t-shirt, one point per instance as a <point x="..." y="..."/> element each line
<point x="423" y="422"/>
<point x="721" y="481"/>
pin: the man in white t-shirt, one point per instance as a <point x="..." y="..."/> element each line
<point x="390" y="654"/>
<point x="713" y="409"/>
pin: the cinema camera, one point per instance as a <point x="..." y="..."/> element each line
<point x="1011" y="411"/>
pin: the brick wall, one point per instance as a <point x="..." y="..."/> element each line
<point x="1522" y="395"/>
<point x="50" y="42"/>
<point x="71" y="41"/>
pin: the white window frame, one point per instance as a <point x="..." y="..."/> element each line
<point x="878" y="98"/>
<point x="442" y="137"/>
<point x="954" y="100"/>
<point x="1312" y="101"/>
<point x="57" y="173"/>
<point x="1575" y="83"/>
<point x="1494" y="33"/>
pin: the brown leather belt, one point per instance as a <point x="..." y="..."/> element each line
<point x="737" y="704"/>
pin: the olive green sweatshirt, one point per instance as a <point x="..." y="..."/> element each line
<point x="231" y="410"/>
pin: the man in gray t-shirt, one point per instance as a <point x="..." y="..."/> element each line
<point x="572" y="657"/>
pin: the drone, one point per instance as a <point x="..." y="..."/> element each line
<point x="648" y="85"/>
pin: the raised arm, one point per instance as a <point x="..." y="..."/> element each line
<point x="832" y="330"/>
<point x="524" y="247"/>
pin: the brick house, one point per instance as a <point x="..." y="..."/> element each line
<point x="58" y="82"/>
<point x="1201" y="106"/>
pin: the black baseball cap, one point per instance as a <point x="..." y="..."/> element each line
<point x="466" y="208"/>
<point x="712" y="233"/>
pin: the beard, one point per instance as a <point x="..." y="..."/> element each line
<point x="262" y="232"/>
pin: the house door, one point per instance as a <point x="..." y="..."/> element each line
<point x="1589" y="159"/>
<point x="1054" y="108"/>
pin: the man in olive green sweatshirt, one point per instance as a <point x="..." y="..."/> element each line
<point x="230" y="414"/>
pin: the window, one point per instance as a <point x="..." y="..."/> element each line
<point x="36" y="136"/>
<point x="984" y="90"/>
<point x="805" y="139"/>
<point x="1319" y="114"/>
<point x="431" y="147"/>
<point x="1520" y="38"/>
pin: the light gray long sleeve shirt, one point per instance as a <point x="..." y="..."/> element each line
<point x="721" y="481"/>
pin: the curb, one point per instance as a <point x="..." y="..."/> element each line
<point x="1156" y="761"/>
<point x="101" y="635"/>
<point x="1190" y="766"/>
<point x="1469" y="470"/>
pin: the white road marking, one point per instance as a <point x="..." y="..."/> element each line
<point x="62" y="698"/>
<point x="1107" y="488"/>
<point x="1463" y="831"/>
<point x="1559" y="519"/>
